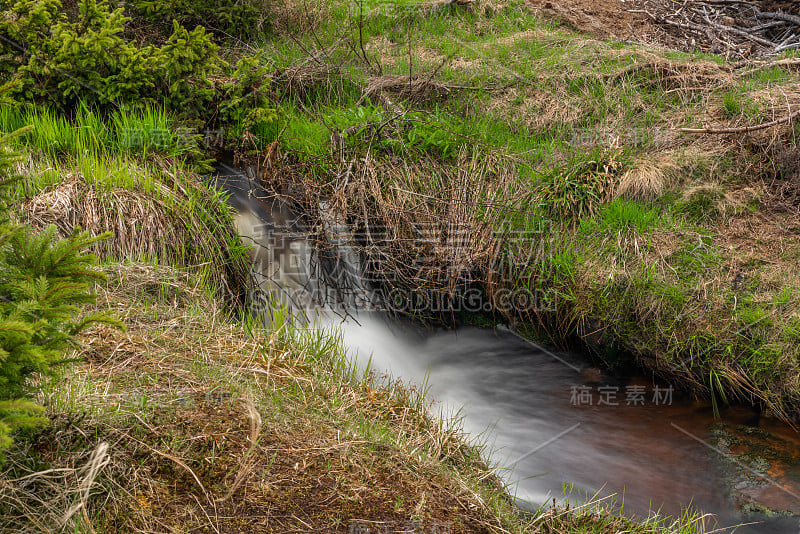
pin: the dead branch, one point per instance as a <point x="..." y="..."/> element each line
<point x="735" y="28"/>
<point x="743" y="129"/>
<point x="784" y="17"/>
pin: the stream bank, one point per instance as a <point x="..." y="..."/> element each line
<point x="615" y="436"/>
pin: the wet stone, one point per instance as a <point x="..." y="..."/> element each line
<point x="760" y="470"/>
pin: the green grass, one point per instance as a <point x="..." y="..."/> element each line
<point x="736" y="103"/>
<point x="188" y="415"/>
<point x="621" y="215"/>
<point x="144" y="133"/>
<point x="157" y="207"/>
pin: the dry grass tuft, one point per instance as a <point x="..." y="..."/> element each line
<point x="708" y="190"/>
<point x="436" y="7"/>
<point x="173" y="230"/>
<point x="415" y="89"/>
<point x="648" y="178"/>
<point x="537" y="109"/>
<point x="312" y="75"/>
<point x="451" y="216"/>
<point x="287" y="16"/>
<point x="675" y="75"/>
<point x="52" y="500"/>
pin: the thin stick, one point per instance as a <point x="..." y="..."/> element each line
<point x="743" y="129"/>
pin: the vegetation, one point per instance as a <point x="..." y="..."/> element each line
<point x="130" y="175"/>
<point x="538" y="160"/>
<point x="43" y="284"/>
<point x="75" y="60"/>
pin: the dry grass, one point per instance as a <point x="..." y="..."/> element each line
<point x="675" y="75"/>
<point x="295" y="16"/>
<point x="415" y="89"/>
<point x="214" y="428"/>
<point x="648" y="178"/>
<point x="424" y="228"/>
<point x="437" y="7"/>
<point x="315" y="74"/>
<point x="181" y="227"/>
<point x="52" y="500"/>
<point x="537" y="109"/>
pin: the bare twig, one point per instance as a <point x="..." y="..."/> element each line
<point x="742" y="129"/>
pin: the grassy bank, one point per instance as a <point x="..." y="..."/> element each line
<point x="195" y="420"/>
<point x="107" y="174"/>
<point x="672" y="248"/>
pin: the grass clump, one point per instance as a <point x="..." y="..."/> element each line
<point x="621" y="215"/>
<point x="582" y="187"/>
<point x="181" y="223"/>
<point x="131" y="175"/>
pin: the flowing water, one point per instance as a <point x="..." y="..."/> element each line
<point x="553" y="423"/>
<point x="526" y="404"/>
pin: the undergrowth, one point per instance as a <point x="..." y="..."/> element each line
<point x="98" y="173"/>
<point x="509" y="153"/>
<point x="196" y="418"/>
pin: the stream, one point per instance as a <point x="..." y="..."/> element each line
<point x="552" y="423"/>
<point x="543" y="435"/>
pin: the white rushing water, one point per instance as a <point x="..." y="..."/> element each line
<point x="549" y="420"/>
<point x="519" y="401"/>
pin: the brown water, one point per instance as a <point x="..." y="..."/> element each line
<point x="522" y="402"/>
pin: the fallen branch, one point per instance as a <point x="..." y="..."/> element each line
<point x="743" y="129"/>
<point x="747" y="35"/>
<point x="784" y="17"/>
<point x="787" y="62"/>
